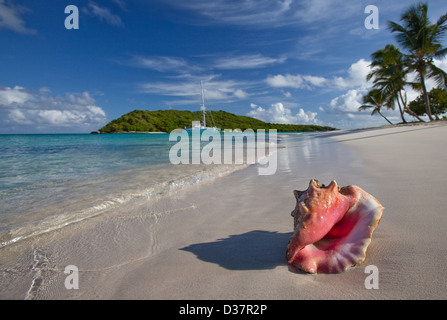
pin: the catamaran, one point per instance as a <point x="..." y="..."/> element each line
<point x="202" y="125"/>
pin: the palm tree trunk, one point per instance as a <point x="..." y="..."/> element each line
<point x="424" y="92"/>
<point x="408" y="110"/>
<point x="384" y="117"/>
<point x="401" y="111"/>
<point x="412" y="113"/>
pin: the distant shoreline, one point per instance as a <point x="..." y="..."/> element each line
<point x="335" y="131"/>
<point x="99" y="132"/>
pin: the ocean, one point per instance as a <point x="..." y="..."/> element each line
<point x="48" y="181"/>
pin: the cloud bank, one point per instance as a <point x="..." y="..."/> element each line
<point x="278" y="113"/>
<point x="39" y="111"/>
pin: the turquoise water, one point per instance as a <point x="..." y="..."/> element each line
<point x="50" y="181"/>
<point x="27" y="160"/>
<point x="47" y="181"/>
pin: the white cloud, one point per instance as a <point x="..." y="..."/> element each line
<point x="40" y="110"/>
<point x="324" y="11"/>
<point x="268" y="13"/>
<point x="121" y="4"/>
<point x="103" y="13"/>
<point x="181" y="65"/>
<point x="241" y="94"/>
<point x="10" y="17"/>
<point x="316" y="81"/>
<point x="244" y="12"/>
<point x="82" y="99"/>
<point x="286" y="94"/>
<point x="163" y="64"/>
<point x="278" y="113"/>
<point x="176" y="89"/>
<point x="14" y="96"/>
<point x="356" y="77"/>
<point x="189" y="86"/>
<point x="348" y="102"/>
<point x="295" y="81"/>
<point x="17" y="116"/>
<point x="246" y="62"/>
<point x="286" y="81"/>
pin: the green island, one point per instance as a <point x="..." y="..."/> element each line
<point x="168" y="120"/>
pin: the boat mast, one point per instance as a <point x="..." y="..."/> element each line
<point x="203" y="104"/>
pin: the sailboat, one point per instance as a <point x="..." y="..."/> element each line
<point x="201" y="125"/>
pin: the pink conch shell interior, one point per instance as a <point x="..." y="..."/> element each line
<point x="333" y="227"/>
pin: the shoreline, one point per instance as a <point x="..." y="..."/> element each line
<point x="226" y="239"/>
<point x="385" y="126"/>
<point x="99" y="132"/>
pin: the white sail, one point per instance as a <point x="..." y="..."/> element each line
<point x="197" y="124"/>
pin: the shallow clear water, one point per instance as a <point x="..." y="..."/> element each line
<point x="48" y="181"/>
<point x="30" y="159"/>
<point x="44" y="176"/>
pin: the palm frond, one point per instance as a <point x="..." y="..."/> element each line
<point x="442" y="25"/>
<point x="365" y="107"/>
<point x="441" y="53"/>
<point x="438" y="75"/>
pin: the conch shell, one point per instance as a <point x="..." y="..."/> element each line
<point x="333" y="227"/>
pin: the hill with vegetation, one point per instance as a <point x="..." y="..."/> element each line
<point x="168" y="120"/>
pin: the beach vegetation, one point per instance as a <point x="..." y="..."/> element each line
<point x="168" y="120"/>
<point x="438" y="103"/>
<point x="394" y="69"/>
<point x="422" y="42"/>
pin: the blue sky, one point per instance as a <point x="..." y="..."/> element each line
<point x="285" y="61"/>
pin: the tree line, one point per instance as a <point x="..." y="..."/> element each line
<point x="168" y="120"/>
<point x="394" y="69"/>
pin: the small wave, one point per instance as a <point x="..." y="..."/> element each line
<point x="154" y="192"/>
<point x="41" y="263"/>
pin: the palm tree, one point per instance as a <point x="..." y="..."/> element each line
<point x="375" y="100"/>
<point x="422" y="40"/>
<point x="389" y="76"/>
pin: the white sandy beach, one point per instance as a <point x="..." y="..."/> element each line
<point x="226" y="239"/>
